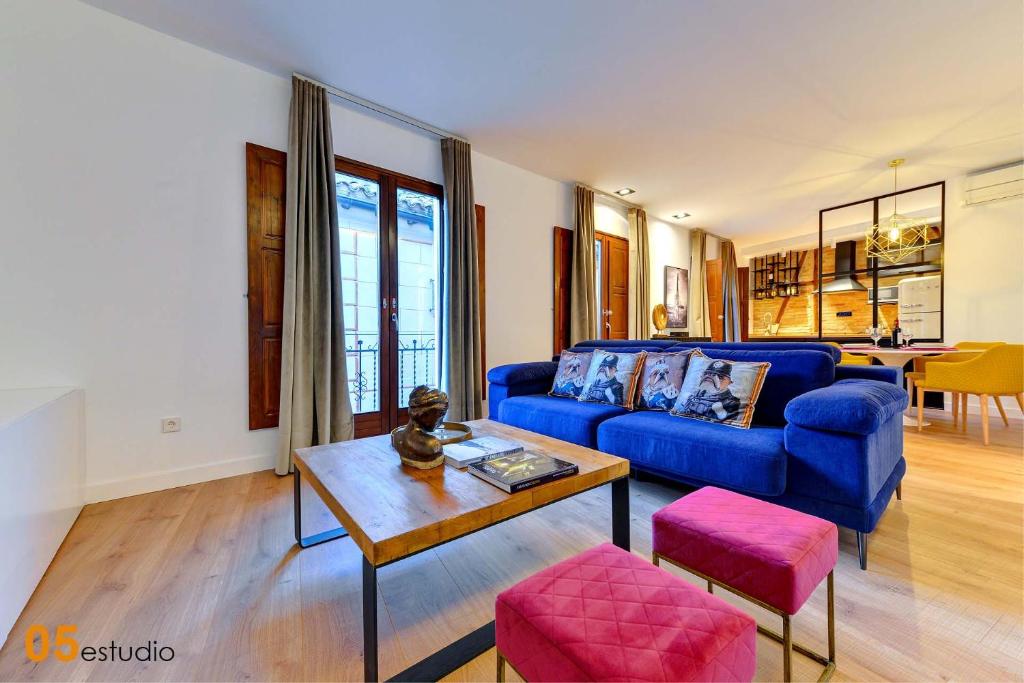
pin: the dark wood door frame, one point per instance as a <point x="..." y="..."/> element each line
<point x="713" y="270"/>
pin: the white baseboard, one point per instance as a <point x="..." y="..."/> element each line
<point x="169" y="479"/>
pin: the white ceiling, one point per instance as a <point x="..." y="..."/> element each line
<point x="749" y="115"/>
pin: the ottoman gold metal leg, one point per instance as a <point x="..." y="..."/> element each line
<point x="831" y="621"/>
<point x="500" y="677"/>
<point x="785" y="638"/>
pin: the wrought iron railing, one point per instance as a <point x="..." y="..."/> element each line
<point x="416" y="365"/>
<point x="415" y="361"/>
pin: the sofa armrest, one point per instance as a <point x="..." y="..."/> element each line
<point x="523" y="373"/>
<point x="880" y="373"/>
<point x="518" y="379"/>
<point x="853" y="406"/>
<point x="846" y="447"/>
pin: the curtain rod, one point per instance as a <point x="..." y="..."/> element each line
<point x="380" y="109"/>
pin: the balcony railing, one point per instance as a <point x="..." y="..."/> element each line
<point x="416" y="365"/>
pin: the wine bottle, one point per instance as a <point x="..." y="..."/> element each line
<point x="897" y="335"/>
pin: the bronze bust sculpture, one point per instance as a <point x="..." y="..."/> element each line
<point x="416" y="443"/>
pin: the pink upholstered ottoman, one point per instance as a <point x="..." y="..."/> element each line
<point x="769" y="554"/>
<point x="608" y="615"/>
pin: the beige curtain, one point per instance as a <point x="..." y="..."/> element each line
<point x="583" y="290"/>
<point x="642" y="282"/>
<point x="315" y="405"/>
<point x="730" y="292"/>
<point x="460" y="338"/>
<point x="700" y="324"/>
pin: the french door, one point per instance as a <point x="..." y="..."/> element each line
<point x="389" y="227"/>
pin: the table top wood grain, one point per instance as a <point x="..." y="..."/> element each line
<point x="392" y="511"/>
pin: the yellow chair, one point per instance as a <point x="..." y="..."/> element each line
<point x="921" y="363"/>
<point x="999" y="371"/>
<point x="849" y="358"/>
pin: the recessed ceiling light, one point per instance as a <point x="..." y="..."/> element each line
<point x="680" y="216"/>
<point x="624" y="192"/>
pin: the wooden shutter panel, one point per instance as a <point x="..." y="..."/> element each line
<point x="562" y="270"/>
<point x="481" y="240"/>
<point x="266" y="172"/>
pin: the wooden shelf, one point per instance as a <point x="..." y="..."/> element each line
<point x="776" y="275"/>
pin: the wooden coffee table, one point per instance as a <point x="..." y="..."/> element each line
<point x="393" y="512"/>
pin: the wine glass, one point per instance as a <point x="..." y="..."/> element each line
<point x="908" y="336"/>
<point x="875" y="333"/>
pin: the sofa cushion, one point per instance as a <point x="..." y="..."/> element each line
<point x="571" y="374"/>
<point x="752" y="461"/>
<point x="855" y="406"/>
<point x="661" y="379"/>
<point x="833" y="351"/>
<point x="562" y="418"/>
<point x="720" y="391"/>
<point x="612" y="377"/>
<point x="622" y="344"/>
<point x="793" y="373"/>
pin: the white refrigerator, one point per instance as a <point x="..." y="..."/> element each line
<point x="920" y="306"/>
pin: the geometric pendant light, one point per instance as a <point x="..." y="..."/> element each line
<point x="896" y="237"/>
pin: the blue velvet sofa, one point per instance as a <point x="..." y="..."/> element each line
<point x="826" y="439"/>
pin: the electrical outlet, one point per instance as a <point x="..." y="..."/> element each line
<point x="170" y="424"/>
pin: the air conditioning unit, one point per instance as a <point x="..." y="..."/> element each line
<point x="991" y="184"/>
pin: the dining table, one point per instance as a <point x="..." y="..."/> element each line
<point x="898" y="357"/>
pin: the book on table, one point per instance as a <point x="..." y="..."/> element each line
<point x="465" y="453"/>
<point x="520" y="471"/>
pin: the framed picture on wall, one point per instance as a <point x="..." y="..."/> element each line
<point x="677" y="294"/>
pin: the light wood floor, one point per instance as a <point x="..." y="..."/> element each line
<point x="211" y="570"/>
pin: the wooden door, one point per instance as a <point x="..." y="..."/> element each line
<point x="715" y="307"/>
<point x="617" y="287"/>
<point x="613" y="286"/>
<point x="562" y="283"/>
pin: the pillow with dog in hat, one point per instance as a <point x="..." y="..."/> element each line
<point x="662" y="378"/>
<point x="720" y="391"/>
<point x="571" y="374"/>
<point x="613" y="377"/>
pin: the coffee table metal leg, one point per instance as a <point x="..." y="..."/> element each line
<point x="620" y="512"/>
<point x="369" y="621"/>
<point x="315" y="539"/>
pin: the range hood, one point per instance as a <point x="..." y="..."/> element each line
<point x="846" y="256"/>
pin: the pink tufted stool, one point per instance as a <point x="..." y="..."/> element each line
<point x="608" y="615"/>
<point x="768" y="554"/>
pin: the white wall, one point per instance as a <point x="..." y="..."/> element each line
<point x="124" y="261"/>
<point x="523" y="209"/>
<point x="669" y="245"/>
<point x="984" y="268"/>
<point x="610" y="218"/>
